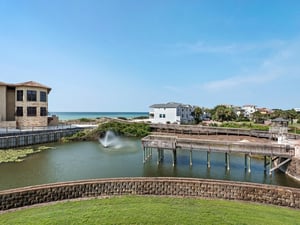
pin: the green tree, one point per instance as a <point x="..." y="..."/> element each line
<point x="223" y="113"/>
<point x="197" y="114"/>
<point x="291" y="115"/>
<point x="258" y="117"/>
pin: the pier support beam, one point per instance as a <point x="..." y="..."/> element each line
<point x="147" y="154"/>
<point x="159" y="155"/>
<point x="248" y="163"/>
<point x="270" y="165"/>
<point x="208" y="159"/>
<point x="227" y="161"/>
<point x="174" y="157"/>
<point x="265" y="163"/>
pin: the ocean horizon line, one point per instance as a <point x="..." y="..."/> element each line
<point x="98" y="111"/>
<point x="94" y="115"/>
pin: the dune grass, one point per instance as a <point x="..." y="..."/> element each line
<point x="152" y="210"/>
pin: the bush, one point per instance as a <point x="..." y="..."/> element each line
<point x="86" y="120"/>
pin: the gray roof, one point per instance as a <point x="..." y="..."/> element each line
<point x="279" y="119"/>
<point x="168" y="105"/>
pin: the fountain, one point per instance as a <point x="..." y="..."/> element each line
<point x="110" y="140"/>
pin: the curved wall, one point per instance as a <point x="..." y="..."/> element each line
<point x="183" y="187"/>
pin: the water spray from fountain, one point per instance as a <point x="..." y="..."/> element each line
<point x="110" y="140"/>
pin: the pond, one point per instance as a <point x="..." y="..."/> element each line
<point x="88" y="160"/>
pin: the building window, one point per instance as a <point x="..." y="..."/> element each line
<point x="19" y="95"/>
<point x="31" y="96"/>
<point x="31" y="111"/>
<point x="19" y="111"/>
<point x="43" y="96"/>
<point x="162" y="115"/>
<point x="43" y="111"/>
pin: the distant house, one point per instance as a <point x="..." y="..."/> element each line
<point x="171" y="113"/>
<point x="23" y="105"/>
<point x="249" y="110"/>
<point x="264" y="111"/>
<point x="297" y="110"/>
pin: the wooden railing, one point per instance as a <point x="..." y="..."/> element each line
<point x="205" y="130"/>
<point x="173" y="142"/>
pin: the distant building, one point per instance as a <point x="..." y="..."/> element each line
<point x="297" y="110"/>
<point x="249" y="110"/>
<point x="171" y="113"/>
<point x="264" y="111"/>
<point x="23" y="105"/>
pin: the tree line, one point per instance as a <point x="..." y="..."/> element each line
<point x="224" y="113"/>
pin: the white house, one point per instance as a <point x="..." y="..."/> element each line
<point x="171" y="113"/>
<point x="249" y="110"/>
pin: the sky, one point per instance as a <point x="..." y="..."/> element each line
<point x="125" y="55"/>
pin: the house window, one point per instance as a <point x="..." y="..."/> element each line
<point x="162" y="115"/>
<point x="19" y="111"/>
<point x="31" y="111"/>
<point x="31" y="96"/>
<point x="19" y="95"/>
<point x="43" y="111"/>
<point x="43" y="96"/>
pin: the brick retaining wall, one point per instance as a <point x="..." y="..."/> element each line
<point x="184" y="187"/>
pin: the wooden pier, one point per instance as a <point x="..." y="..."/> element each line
<point x="174" y="143"/>
<point x="206" y="130"/>
<point x="26" y="138"/>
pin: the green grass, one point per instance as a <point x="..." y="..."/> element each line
<point x="152" y="210"/>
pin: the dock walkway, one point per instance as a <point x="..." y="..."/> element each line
<point x="192" y="144"/>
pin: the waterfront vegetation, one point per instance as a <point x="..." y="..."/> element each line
<point x="245" y="125"/>
<point x="18" y="155"/>
<point x="128" y="129"/>
<point x="152" y="210"/>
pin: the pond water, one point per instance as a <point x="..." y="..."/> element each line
<point x="87" y="160"/>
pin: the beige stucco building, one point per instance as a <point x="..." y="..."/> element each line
<point x="23" y="105"/>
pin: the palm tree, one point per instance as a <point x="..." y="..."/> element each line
<point x="197" y="114"/>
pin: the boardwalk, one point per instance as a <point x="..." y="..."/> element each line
<point x="174" y="143"/>
<point x="205" y="130"/>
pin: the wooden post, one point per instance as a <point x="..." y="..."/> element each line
<point x="144" y="155"/>
<point x="270" y="166"/>
<point x="191" y="155"/>
<point x="265" y="163"/>
<point x="227" y="161"/>
<point x="174" y="157"/>
<point x="249" y="164"/>
<point x="208" y="159"/>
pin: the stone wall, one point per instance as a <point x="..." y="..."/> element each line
<point x="8" y="124"/>
<point x="293" y="168"/>
<point x="183" y="187"/>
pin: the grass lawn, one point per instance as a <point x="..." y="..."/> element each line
<point x="152" y="210"/>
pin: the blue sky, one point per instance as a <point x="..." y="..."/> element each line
<point x="125" y="55"/>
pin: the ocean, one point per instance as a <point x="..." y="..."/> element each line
<point x="94" y="115"/>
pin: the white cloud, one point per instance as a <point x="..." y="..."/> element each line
<point x="282" y="63"/>
<point x="233" y="82"/>
<point x="231" y="48"/>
